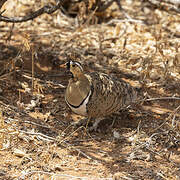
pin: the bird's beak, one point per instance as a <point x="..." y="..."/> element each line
<point x="63" y="65"/>
<point x="67" y="72"/>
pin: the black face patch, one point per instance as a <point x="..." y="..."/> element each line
<point x="68" y="65"/>
<point x="72" y="75"/>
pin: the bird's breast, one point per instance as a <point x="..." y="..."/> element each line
<point x="80" y="109"/>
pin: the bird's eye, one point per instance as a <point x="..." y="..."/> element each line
<point x="73" y="65"/>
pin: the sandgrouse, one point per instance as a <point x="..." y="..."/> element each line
<point x="96" y="94"/>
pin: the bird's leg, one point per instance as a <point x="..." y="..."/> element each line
<point x="94" y="127"/>
<point x="86" y="122"/>
<point x="114" y="119"/>
<point x="82" y="122"/>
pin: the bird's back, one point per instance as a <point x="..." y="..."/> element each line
<point x="108" y="95"/>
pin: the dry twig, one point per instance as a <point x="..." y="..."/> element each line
<point x="49" y="9"/>
<point x="2" y="3"/>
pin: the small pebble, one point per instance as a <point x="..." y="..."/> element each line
<point x="19" y="153"/>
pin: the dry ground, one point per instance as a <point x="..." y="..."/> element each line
<point x="140" y="45"/>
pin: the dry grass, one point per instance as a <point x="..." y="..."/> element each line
<point x="37" y="141"/>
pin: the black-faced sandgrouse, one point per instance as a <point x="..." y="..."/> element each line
<point x="96" y="95"/>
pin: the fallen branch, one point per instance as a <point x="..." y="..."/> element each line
<point x="40" y="135"/>
<point x="49" y="9"/>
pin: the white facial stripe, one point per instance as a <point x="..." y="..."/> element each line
<point x="78" y="64"/>
<point x="71" y="62"/>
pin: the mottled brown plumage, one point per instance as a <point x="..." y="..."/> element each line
<point x="108" y="95"/>
<point x="96" y="95"/>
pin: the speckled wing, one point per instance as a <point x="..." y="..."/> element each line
<point x="108" y="95"/>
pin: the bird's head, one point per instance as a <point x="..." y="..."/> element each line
<point x="74" y="67"/>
